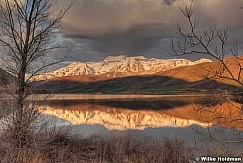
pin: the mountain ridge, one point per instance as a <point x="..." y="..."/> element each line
<point x="179" y="80"/>
<point x="116" y="66"/>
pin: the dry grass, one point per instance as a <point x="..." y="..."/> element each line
<point x="61" y="145"/>
<point x="125" y="148"/>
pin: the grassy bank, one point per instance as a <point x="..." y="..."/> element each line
<point x="61" y="146"/>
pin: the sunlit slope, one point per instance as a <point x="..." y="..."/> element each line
<point x="210" y="71"/>
<point x="119" y="66"/>
<point x="185" y="79"/>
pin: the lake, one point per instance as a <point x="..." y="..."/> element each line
<point x="145" y="115"/>
<point x="187" y="117"/>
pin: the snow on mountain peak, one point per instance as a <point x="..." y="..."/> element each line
<point x="122" y="65"/>
<point x="115" y="58"/>
<point x="202" y="60"/>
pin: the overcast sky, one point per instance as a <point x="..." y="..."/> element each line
<point x="99" y="28"/>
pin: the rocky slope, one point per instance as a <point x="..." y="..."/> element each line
<point x="116" y="66"/>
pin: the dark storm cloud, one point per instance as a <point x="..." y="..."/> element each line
<point x="169" y="2"/>
<point x="139" y="27"/>
<point x="132" y="40"/>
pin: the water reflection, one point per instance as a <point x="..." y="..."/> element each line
<point x="131" y="114"/>
<point x="117" y="119"/>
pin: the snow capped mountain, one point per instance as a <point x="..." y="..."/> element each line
<point x="122" y="119"/>
<point x="120" y="66"/>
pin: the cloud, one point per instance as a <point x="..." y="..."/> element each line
<point x="137" y="27"/>
<point x="169" y="2"/>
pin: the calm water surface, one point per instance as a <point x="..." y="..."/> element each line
<point x="149" y="115"/>
<point x="144" y="115"/>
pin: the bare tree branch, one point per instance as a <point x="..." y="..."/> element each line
<point x="27" y="37"/>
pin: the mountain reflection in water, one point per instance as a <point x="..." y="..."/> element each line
<point x="132" y="114"/>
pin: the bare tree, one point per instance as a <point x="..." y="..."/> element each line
<point x="211" y="42"/>
<point x="214" y="43"/>
<point x="27" y="32"/>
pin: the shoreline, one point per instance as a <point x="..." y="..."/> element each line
<point x="80" y="96"/>
<point x="124" y="96"/>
